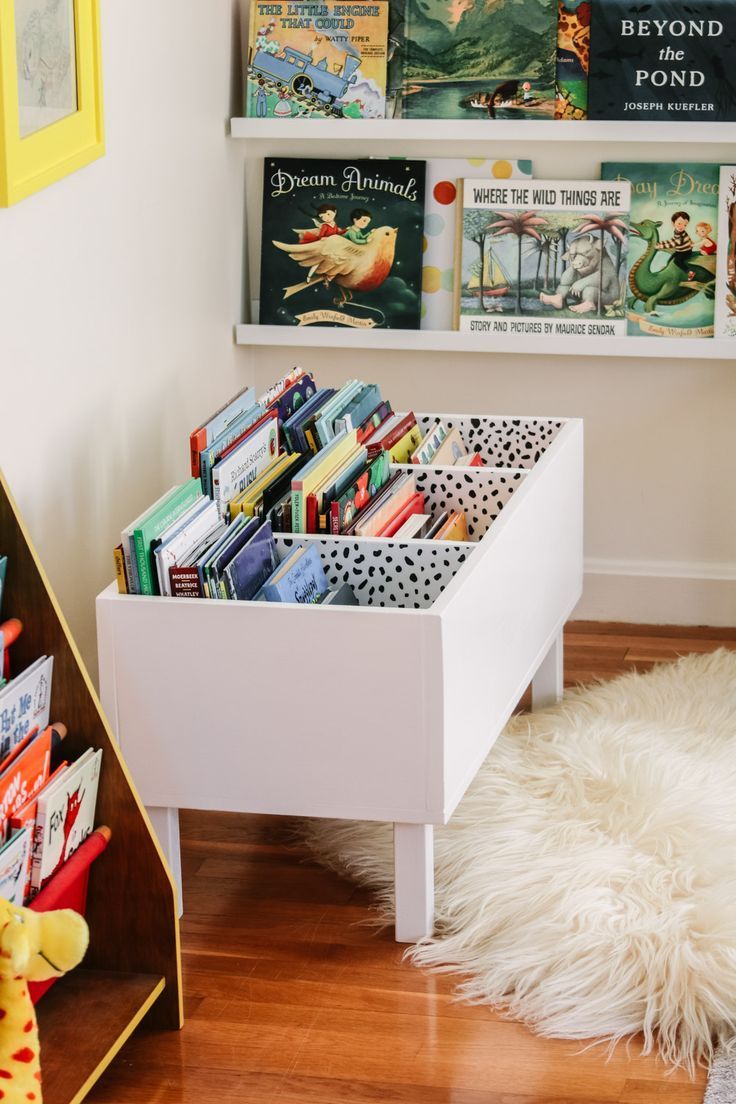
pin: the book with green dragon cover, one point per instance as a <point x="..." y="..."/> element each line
<point x="673" y="245"/>
<point x="483" y="59"/>
<point x="342" y="242"/>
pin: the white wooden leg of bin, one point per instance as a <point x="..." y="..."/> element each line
<point x="413" y="881"/>
<point x="547" y="684"/>
<point x="165" y="823"/>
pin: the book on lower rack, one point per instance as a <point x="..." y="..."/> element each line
<point x="303" y="460"/>
<point x="47" y="802"/>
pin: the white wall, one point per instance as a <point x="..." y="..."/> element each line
<point x="660" y="536"/>
<point x="118" y="290"/>
<point x="119" y="287"/>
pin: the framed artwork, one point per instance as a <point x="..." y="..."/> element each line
<point x="50" y="92"/>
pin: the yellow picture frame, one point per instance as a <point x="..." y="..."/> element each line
<point x="45" y="155"/>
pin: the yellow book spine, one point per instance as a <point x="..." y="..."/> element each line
<point x="120" y="571"/>
<point x="401" y="452"/>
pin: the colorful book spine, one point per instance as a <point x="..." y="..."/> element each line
<point x="154" y="525"/>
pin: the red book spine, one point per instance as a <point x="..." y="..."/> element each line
<point x="392" y="438"/>
<point x="185" y="582"/>
<point x="335" y="518"/>
<point x="197" y="442"/>
<point x="312" y="519"/>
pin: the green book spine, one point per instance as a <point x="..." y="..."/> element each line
<point x="296" y="512"/>
<point x="152" y="527"/>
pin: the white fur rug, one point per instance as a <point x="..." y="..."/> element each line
<point x="587" y="882"/>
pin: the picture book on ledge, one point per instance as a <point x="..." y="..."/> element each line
<point x="542" y="257"/>
<point x="667" y="59"/>
<point x="725" y="312"/>
<point x="482" y="59"/>
<point x="342" y="243"/>
<point x="440" y="224"/>
<point x="325" y="59"/>
<point x="673" y="247"/>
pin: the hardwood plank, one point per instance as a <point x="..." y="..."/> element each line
<point x="294" y="999"/>
<point x="83" y="1021"/>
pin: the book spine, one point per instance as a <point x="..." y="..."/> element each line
<point x="296" y="511"/>
<point x="129" y="557"/>
<point x="144" y="574"/>
<point x="197" y="442"/>
<point x="312" y="520"/>
<point x="335" y="518"/>
<point x="185" y="582"/>
<point x="120" y="570"/>
<point x="39" y="831"/>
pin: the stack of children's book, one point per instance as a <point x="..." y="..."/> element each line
<point x="47" y="804"/>
<point x="300" y="459"/>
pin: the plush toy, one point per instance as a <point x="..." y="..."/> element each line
<point x="34" y="946"/>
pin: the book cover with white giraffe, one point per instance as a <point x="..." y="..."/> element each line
<point x="542" y="257"/>
<point x="673" y="247"/>
<point x="342" y="242"/>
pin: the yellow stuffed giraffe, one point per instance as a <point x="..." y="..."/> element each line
<point x="34" y="946"/>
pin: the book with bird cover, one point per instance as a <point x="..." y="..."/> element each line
<point x="326" y="59"/>
<point x="666" y="59"/>
<point x="342" y="242"/>
<point x="479" y="59"/>
<point x="725" y="320"/>
<point x="673" y="246"/>
<point x="542" y="257"/>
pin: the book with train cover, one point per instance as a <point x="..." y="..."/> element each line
<point x="342" y="242"/>
<point x="725" y="322"/>
<point x="672" y="259"/>
<point x="492" y="59"/>
<point x="544" y="257"/>
<point x="326" y="59"/>
<point x="667" y="59"/>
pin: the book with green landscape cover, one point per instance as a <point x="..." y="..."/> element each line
<point x="492" y="59"/>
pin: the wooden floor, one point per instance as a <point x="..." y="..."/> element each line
<point x="289" y="999"/>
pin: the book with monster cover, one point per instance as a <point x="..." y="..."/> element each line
<point x="667" y="59"/>
<point x="725" y="320"/>
<point x="673" y="244"/>
<point x="543" y="257"/>
<point x="324" y="59"/>
<point x="342" y="243"/>
<point x="482" y="59"/>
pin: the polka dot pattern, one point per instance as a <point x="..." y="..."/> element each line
<point x="386" y="573"/>
<point x="431" y="279"/>
<point x="434" y="225"/>
<point x="445" y="192"/>
<point x="502" y="170"/>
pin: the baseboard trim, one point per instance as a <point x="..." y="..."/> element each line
<point x="658" y="592"/>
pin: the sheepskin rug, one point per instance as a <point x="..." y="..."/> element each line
<point x="587" y="881"/>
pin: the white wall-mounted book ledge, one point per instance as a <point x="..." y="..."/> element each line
<point x="384" y="711"/>
<point x="482" y="130"/>
<point x="453" y="341"/>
